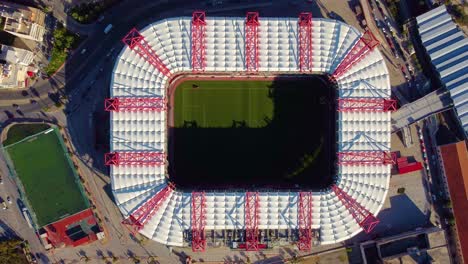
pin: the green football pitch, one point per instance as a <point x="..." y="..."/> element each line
<point x="244" y="133"/>
<point x="48" y="179"/>
<point x="220" y="104"/>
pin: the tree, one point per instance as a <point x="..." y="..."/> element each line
<point x="69" y="39"/>
<point x="152" y="260"/>
<point x="11" y="252"/>
<point x="448" y="204"/>
<point x="451" y="221"/>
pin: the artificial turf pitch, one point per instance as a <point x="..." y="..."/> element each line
<point x="49" y="183"/>
<point x="246" y="133"/>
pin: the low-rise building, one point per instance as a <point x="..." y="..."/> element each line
<point x="446" y="46"/>
<point x="22" y="21"/>
<point x="419" y="246"/>
<point x="454" y="165"/>
<point x="14" y="66"/>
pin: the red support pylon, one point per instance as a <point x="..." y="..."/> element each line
<point x="198" y="41"/>
<point x="145" y="212"/>
<point x="136" y="42"/>
<point x="362" y="158"/>
<point x="363" y="46"/>
<point x="198" y="221"/>
<point x="363" y="217"/>
<point x="144" y="158"/>
<point x="366" y="105"/>
<point x="156" y="104"/>
<point x="251" y="221"/>
<point x="251" y="41"/>
<point x="305" y="41"/>
<point x="304" y="242"/>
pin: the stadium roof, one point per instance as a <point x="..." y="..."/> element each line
<point x="455" y="163"/>
<point x="225" y="49"/>
<point x="447" y="47"/>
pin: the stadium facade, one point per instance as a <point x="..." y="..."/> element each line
<point x="141" y="186"/>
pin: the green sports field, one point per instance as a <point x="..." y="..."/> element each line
<point x="246" y="133"/>
<point x="219" y="104"/>
<point x="48" y="179"/>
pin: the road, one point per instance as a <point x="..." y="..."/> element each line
<point x="385" y="28"/>
<point x="12" y="220"/>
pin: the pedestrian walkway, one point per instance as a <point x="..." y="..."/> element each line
<point x="430" y="104"/>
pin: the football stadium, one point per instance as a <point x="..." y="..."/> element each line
<point x="258" y="130"/>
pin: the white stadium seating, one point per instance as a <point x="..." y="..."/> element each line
<point x="147" y="131"/>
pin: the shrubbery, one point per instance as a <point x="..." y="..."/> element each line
<point x="63" y="42"/>
<point x="89" y="12"/>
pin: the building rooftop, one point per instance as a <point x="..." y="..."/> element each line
<point x="22" y="20"/>
<point x="447" y="46"/>
<point x="418" y="246"/>
<point x="455" y="163"/>
<point x="16" y="55"/>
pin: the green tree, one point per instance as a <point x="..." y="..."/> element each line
<point x="11" y="252"/>
<point x="448" y="204"/>
<point x="69" y="39"/>
<point x="451" y="221"/>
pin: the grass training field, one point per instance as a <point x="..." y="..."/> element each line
<point x="48" y="179"/>
<point x="253" y="133"/>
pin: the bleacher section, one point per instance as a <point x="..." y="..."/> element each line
<point x="144" y="131"/>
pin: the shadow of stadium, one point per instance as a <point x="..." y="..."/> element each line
<point x="296" y="149"/>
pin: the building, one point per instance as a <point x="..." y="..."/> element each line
<point x="14" y="66"/>
<point x="419" y="246"/>
<point x="454" y="159"/>
<point x="447" y="47"/>
<point x="170" y="216"/>
<point x="22" y="21"/>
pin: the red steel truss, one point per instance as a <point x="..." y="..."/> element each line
<point x="305" y="41"/>
<point x="145" y="212"/>
<point x="198" y="41"/>
<point x="138" y="44"/>
<point x="251" y="41"/>
<point x="361" y="158"/>
<point x="305" y="221"/>
<point x="198" y="221"/>
<point x="156" y="104"/>
<point x="251" y="221"/>
<point x="145" y="158"/>
<point x="366" y="105"/>
<point x="363" y="46"/>
<point x="362" y="216"/>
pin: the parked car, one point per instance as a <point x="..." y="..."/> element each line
<point x="9" y="200"/>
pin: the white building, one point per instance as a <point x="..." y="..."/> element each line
<point x="14" y="64"/>
<point x="147" y="131"/>
<point x="22" y="21"/>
